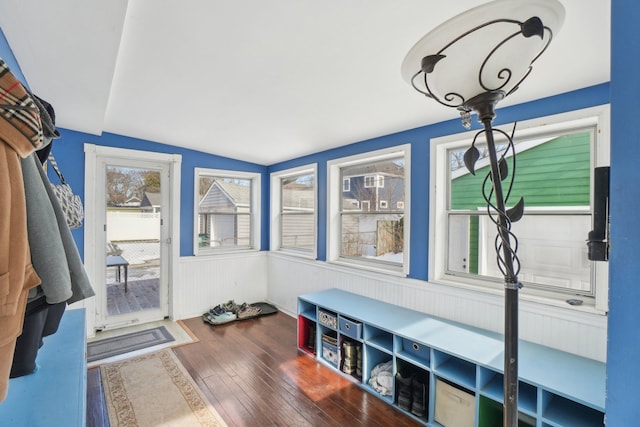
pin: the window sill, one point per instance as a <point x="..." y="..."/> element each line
<point x="295" y="254"/>
<point x="364" y="267"/>
<point x="210" y="253"/>
<point x="528" y="295"/>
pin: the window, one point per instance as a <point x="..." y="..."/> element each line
<point x="346" y="184"/>
<point x="293" y="211"/>
<point x="371" y="181"/>
<point x="555" y="177"/>
<point x="363" y="230"/>
<point x="227" y="211"/>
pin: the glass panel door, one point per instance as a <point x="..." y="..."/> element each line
<point x="135" y="288"/>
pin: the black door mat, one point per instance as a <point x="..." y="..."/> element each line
<point x="265" y="309"/>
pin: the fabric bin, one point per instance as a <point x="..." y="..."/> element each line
<point x="328" y="318"/>
<point x="454" y="407"/>
<point x="350" y="328"/>
<point x="416" y="350"/>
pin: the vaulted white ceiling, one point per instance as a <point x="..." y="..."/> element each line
<point x="261" y="81"/>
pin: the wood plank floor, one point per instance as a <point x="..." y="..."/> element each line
<point x="253" y="375"/>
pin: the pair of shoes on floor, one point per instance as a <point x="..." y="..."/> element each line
<point x="412" y="392"/>
<point x="230" y="311"/>
<point x="246" y="311"/>
<point x="218" y="315"/>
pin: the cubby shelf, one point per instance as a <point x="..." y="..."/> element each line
<point x="555" y="388"/>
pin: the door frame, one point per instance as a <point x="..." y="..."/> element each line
<point x="94" y="231"/>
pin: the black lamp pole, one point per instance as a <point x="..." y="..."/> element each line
<point x="484" y="105"/>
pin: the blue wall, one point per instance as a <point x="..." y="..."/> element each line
<point x="623" y="367"/>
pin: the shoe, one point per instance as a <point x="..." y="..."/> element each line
<point x="405" y="395"/>
<point x="217" y="310"/>
<point x="419" y="404"/>
<point x="230" y="306"/>
<point x="219" y="319"/>
<point x="246" y="311"/>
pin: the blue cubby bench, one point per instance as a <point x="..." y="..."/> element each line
<point x="555" y="388"/>
<point x="56" y="394"/>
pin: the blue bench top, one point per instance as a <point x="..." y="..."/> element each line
<point x="56" y="394"/>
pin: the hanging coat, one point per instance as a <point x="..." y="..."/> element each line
<point x="20" y="135"/>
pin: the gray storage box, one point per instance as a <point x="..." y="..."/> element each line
<point x="350" y="328"/>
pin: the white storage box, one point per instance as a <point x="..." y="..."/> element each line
<point x="454" y="407"/>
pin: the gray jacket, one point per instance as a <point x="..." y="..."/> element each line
<point x="54" y="253"/>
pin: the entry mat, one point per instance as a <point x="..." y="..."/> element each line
<point x="126" y="343"/>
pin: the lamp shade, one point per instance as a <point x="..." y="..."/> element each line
<point x="490" y="48"/>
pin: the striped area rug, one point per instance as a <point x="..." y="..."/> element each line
<point x="126" y="343"/>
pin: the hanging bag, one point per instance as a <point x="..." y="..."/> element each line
<point x="70" y="203"/>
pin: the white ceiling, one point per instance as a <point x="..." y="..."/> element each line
<point x="261" y="81"/>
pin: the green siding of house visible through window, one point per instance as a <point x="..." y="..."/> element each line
<point x="474" y="224"/>
<point x="555" y="173"/>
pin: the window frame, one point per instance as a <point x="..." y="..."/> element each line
<point x="599" y="117"/>
<point x="255" y="211"/>
<point x="276" y="211"/>
<point x="334" y="197"/>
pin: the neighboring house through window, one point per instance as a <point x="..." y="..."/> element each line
<point x="363" y="230"/>
<point x="227" y="211"/>
<point x="150" y="202"/>
<point x="555" y="160"/>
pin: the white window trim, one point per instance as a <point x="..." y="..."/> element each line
<point x="276" y="201"/>
<point x="599" y="116"/>
<point x="256" y="191"/>
<point x="334" y="204"/>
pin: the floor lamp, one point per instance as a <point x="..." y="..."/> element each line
<point x="471" y="62"/>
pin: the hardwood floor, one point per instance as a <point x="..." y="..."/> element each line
<point x="253" y="375"/>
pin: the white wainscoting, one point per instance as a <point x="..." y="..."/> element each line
<point x="580" y="332"/>
<point x="206" y="281"/>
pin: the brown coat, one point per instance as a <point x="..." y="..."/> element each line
<point x="20" y="135"/>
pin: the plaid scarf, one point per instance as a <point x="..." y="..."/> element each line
<point x="20" y="125"/>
